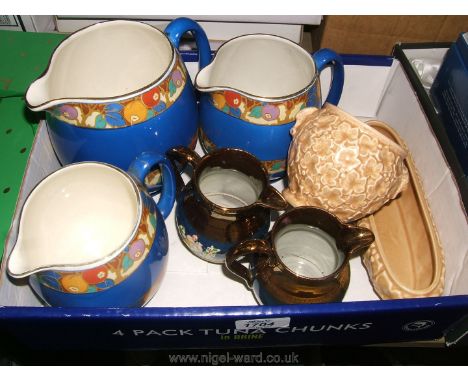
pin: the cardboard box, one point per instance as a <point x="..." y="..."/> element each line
<point x="199" y="305"/>
<point x="455" y="154"/>
<point x="378" y="34"/>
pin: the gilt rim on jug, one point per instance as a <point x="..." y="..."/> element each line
<point x="215" y="207"/>
<point x="312" y="83"/>
<point x="81" y="266"/>
<point x="136" y="92"/>
<point x="305" y="210"/>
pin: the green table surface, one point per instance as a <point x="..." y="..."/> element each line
<point x="23" y="57"/>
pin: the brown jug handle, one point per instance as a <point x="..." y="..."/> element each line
<point x="247" y="249"/>
<point x="184" y="156"/>
<point x="271" y="198"/>
<point x="357" y="239"/>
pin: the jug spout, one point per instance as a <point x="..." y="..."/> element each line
<point x="212" y="78"/>
<point x="38" y="95"/>
<point x="357" y="239"/>
<point x="89" y="66"/>
<point x="203" y="79"/>
<point x="18" y="266"/>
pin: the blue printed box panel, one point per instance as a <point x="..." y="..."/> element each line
<point x="450" y="95"/>
<point x="230" y="327"/>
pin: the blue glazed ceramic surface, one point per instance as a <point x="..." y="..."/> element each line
<point x="135" y="291"/>
<point x="253" y="138"/>
<point x="260" y="125"/>
<point x="130" y="274"/>
<point x="116" y="129"/>
<point x="121" y="146"/>
<point x="199" y="243"/>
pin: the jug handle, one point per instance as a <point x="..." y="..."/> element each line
<point x="182" y="155"/>
<point x="323" y="58"/>
<point x="140" y="168"/>
<point x="248" y="249"/>
<point x="356" y="239"/>
<point x="178" y="27"/>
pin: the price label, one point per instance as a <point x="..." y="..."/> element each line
<point x="264" y="323"/>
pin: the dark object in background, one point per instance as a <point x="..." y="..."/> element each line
<point x="449" y="93"/>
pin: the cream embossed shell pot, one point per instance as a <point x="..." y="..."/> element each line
<point x="341" y="164"/>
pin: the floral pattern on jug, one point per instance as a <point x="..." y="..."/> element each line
<point x="191" y="241"/>
<point x="129" y="111"/>
<point x="258" y="112"/>
<point x="112" y="273"/>
<point x="273" y="166"/>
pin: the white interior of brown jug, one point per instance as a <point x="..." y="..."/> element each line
<point x="308" y="251"/>
<point x="229" y="187"/>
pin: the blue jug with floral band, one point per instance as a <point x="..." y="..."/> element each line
<point x="119" y="88"/>
<point x="252" y="91"/>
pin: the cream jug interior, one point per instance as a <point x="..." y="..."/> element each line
<point x="81" y="215"/>
<point x="105" y="61"/>
<point x="263" y="66"/>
